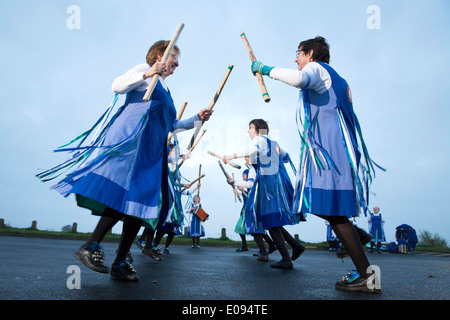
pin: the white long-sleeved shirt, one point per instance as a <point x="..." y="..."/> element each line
<point x="258" y="144"/>
<point x="190" y="191"/>
<point x="133" y="79"/>
<point x="312" y="76"/>
<point x="248" y="184"/>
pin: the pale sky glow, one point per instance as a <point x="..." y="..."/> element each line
<point x="56" y="82"/>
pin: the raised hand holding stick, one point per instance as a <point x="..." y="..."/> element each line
<point x="258" y="75"/>
<point x="169" y="48"/>
<point x="234" y="165"/>
<point x="229" y="179"/>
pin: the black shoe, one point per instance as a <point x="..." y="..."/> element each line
<point x="124" y="271"/>
<point x="92" y="257"/>
<point x="263" y="257"/>
<point x="283" y="265"/>
<point x="241" y="249"/>
<point x="297" y="251"/>
<point x="154" y="253"/>
<point x="353" y="282"/>
<point x="341" y="252"/>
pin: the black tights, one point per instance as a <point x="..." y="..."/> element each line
<point x="130" y="229"/>
<point x="195" y="240"/>
<point x="260" y="242"/>
<point x="244" y="241"/>
<point x="280" y="236"/>
<point x="160" y="234"/>
<point x="147" y="236"/>
<point x="349" y="237"/>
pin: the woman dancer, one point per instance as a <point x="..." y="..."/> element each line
<point x="129" y="176"/>
<point x="328" y="181"/>
<point x="272" y="208"/>
<point x="245" y="185"/>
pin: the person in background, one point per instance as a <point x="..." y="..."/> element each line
<point x="376" y="227"/>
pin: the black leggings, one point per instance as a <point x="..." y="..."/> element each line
<point x="349" y="237"/>
<point x="279" y="236"/>
<point x="160" y="234"/>
<point x="110" y="217"/>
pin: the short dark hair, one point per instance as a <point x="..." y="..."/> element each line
<point x="320" y="47"/>
<point x="260" y="124"/>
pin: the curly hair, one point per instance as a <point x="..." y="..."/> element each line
<point x="158" y="49"/>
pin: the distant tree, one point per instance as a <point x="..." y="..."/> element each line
<point x="67" y="228"/>
<point x="428" y="239"/>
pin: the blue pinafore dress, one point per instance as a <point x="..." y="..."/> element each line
<point x="130" y="173"/>
<point x="195" y="228"/>
<point x="376" y="228"/>
<point x="328" y="182"/>
<point x="269" y="201"/>
<point x="240" y="224"/>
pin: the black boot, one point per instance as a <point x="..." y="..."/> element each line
<point x="124" y="271"/>
<point x="92" y="257"/>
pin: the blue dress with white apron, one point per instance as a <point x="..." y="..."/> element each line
<point x="331" y="180"/>
<point x="195" y="228"/>
<point x="269" y="201"/>
<point x="376" y="228"/>
<point x="130" y="172"/>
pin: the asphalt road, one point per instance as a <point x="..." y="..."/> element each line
<point x="45" y="269"/>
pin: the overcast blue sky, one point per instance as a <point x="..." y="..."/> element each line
<point x="56" y="81"/>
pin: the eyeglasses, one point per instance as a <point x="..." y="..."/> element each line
<point x="174" y="56"/>
<point x="297" y="52"/>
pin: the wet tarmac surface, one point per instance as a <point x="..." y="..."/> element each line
<point x="45" y="269"/>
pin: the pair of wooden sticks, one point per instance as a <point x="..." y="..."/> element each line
<point x="169" y="48"/>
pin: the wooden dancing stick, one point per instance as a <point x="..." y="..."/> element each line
<point x="169" y="48"/>
<point x="192" y="182"/>
<point x="213" y="102"/>
<point x="199" y="174"/>
<point x="183" y="107"/>
<point x="193" y="146"/>
<point x="262" y="85"/>
<point x="234" y="165"/>
<point x="180" y="114"/>
<point x="236" y="194"/>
